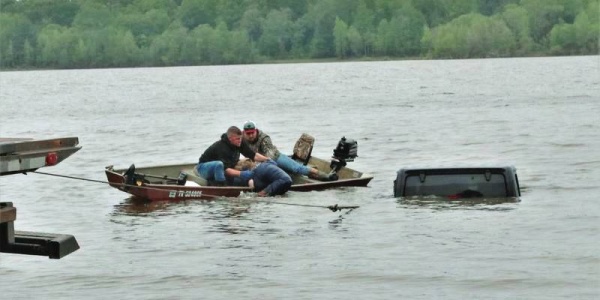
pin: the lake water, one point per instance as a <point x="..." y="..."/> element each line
<point x="538" y="114"/>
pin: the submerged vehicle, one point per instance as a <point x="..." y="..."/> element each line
<point x="458" y="183"/>
<point x="182" y="181"/>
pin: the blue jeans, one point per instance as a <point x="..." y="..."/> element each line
<point x="270" y="178"/>
<point x="291" y="166"/>
<point x="212" y="170"/>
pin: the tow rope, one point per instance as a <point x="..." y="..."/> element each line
<point x="333" y="208"/>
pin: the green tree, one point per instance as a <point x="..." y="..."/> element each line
<point x="93" y="16"/>
<point x="402" y="35"/>
<point x="168" y="6"/>
<point x="571" y="9"/>
<point x="277" y="28"/>
<point x="592" y="14"/>
<point x="543" y="15"/>
<point x="223" y="40"/>
<point x="165" y="49"/>
<point x="578" y="38"/>
<point x="15" y="31"/>
<point x="409" y="24"/>
<point x="322" y="15"/>
<point x="458" y="8"/>
<point x="28" y="54"/>
<point x="435" y="11"/>
<point x="241" y="48"/>
<point x="490" y="37"/>
<point x="95" y="44"/>
<point x="7" y="59"/>
<point x="80" y="58"/>
<point x="302" y="33"/>
<point x="563" y="39"/>
<point x="517" y="20"/>
<point x="196" y="12"/>
<point x="297" y="8"/>
<point x="144" y="25"/>
<point x="363" y="21"/>
<point x="202" y="47"/>
<point x="251" y="22"/>
<point x="230" y="12"/>
<point x="340" y="35"/>
<point x="384" y="40"/>
<point x="472" y="35"/>
<point x="355" y="42"/>
<point x="491" y="7"/>
<point x="121" y="49"/>
<point x="50" y="43"/>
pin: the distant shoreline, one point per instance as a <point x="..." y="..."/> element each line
<point x="299" y="61"/>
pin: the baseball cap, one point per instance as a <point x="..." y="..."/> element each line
<point x="249" y="126"/>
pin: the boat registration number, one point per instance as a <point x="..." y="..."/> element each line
<point x="185" y="194"/>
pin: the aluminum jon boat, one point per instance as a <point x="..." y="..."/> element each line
<point x="182" y="182"/>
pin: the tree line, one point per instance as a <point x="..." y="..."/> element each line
<point x="132" y="33"/>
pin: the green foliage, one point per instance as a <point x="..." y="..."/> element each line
<point x="363" y="18"/>
<point x="491" y="7"/>
<point x="435" y="11"/>
<point x="323" y="16"/>
<point x="143" y="25"/>
<point x="197" y="12"/>
<point x="340" y="35"/>
<point x="356" y="42"/>
<point x="123" y="33"/>
<point x="276" y="38"/>
<point x="472" y="35"/>
<point x="517" y="20"/>
<point x="577" y="38"/>
<point x="543" y="15"/>
<point x="92" y="16"/>
<point x="61" y="12"/>
<point x="401" y="36"/>
<point x="16" y="31"/>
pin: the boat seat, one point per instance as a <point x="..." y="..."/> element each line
<point x="303" y="148"/>
<point x="193" y="175"/>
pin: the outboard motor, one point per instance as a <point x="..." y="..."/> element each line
<point x="345" y="151"/>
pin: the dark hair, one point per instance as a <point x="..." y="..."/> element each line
<point x="234" y="130"/>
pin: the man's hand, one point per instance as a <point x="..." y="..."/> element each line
<point x="260" y="158"/>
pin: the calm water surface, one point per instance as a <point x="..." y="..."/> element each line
<point x="539" y="114"/>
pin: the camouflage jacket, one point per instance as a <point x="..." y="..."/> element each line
<point x="264" y="146"/>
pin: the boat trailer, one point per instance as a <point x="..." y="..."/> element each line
<point x="18" y="155"/>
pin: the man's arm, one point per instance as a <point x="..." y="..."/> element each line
<point x="247" y="152"/>
<point x="260" y="158"/>
<point x="267" y="148"/>
<point x="245" y="175"/>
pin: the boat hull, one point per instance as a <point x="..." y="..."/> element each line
<point x="159" y="183"/>
<point x="170" y="192"/>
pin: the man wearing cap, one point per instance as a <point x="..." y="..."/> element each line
<point x="261" y="143"/>
<point x="217" y="163"/>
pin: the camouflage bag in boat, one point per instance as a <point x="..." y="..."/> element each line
<point x="303" y="148"/>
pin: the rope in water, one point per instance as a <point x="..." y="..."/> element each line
<point x="333" y="208"/>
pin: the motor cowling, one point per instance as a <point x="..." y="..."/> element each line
<point x="347" y="149"/>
